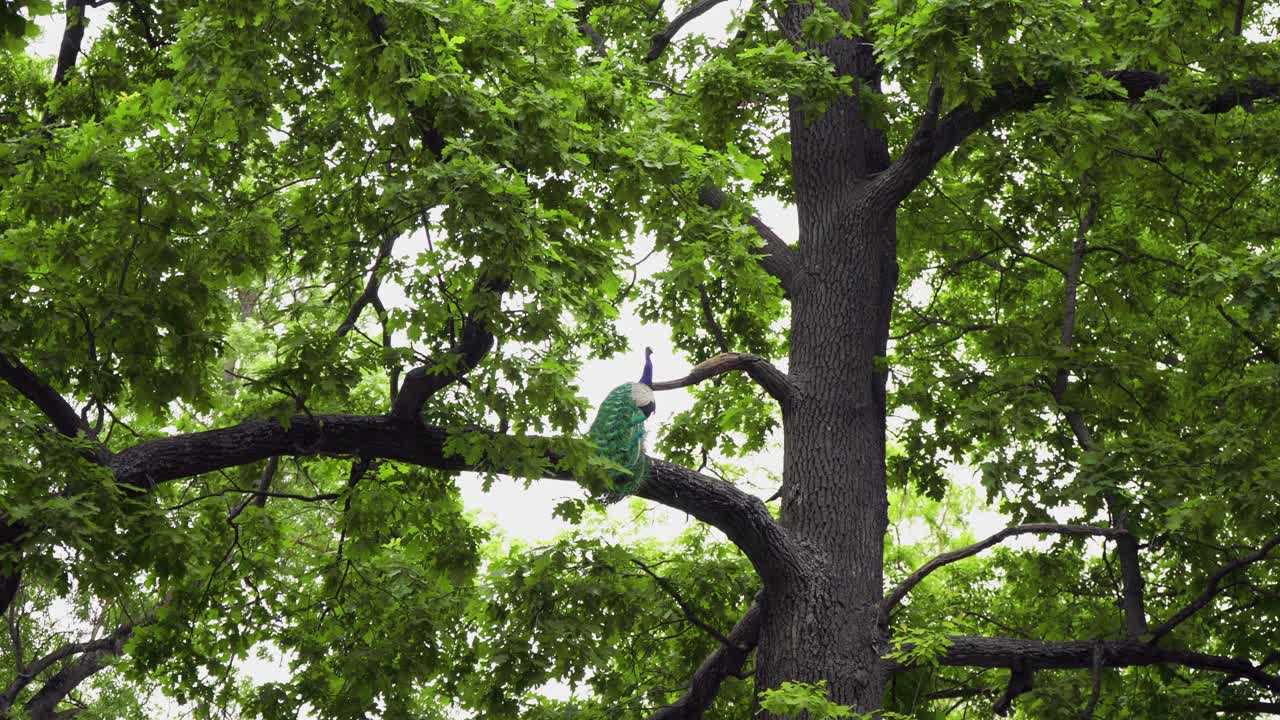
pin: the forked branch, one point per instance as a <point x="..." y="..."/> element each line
<point x="774" y="381"/>
<point x="664" y="38"/>
<point x="688" y="612"/>
<point x="919" y="159"/>
<point x="471" y="347"/>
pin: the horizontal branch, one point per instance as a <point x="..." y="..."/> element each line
<point x="776" y="256"/>
<point x="1211" y="588"/>
<point x="1253" y="707"/>
<point x="726" y="660"/>
<point x="774" y="381"/>
<point x="742" y="517"/>
<point x="663" y="39"/>
<point x="898" y="593"/>
<point x="1033" y="655"/>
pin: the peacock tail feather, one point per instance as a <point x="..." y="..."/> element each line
<point x="618" y="431"/>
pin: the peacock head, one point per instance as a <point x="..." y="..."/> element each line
<point x="641" y="392"/>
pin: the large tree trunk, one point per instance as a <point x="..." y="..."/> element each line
<point x="824" y="624"/>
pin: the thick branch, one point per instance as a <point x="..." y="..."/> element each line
<point x="742" y="517"/>
<point x="431" y="137"/>
<point x="72" y="37"/>
<point x="725" y="661"/>
<point x="1251" y="707"/>
<point x="64" y="417"/>
<point x="776" y="257"/>
<point x="1034" y="655"/>
<point x="1211" y="588"/>
<point x="424" y="381"/>
<point x="774" y="381"/>
<point x="1021" y="680"/>
<point x="898" y="593"/>
<point x="664" y="38"/>
<point x="1238" y="26"/>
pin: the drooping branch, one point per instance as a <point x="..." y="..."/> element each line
<point x="1021" y="680"/>
<point x="776" y="256"/>
<point x="664" y="38"/>
<point x="774" y="381"/>
<point x="1211" y="588"/>
<point x="742" y="517"/>
<point x="474" y="343"/>
<point x="709" y="320"/>
<point x="1034" y="655"/>
<point x="927" y="149"/>
<point x="66" y="421"/>
<point x="896" y="595"/>
<point x="598" y="45"/>
<point x="1095" y="694"/>
<point x="261" y="490"/>
<point x="1270" y="353"/>
<point x="725" y="661"/>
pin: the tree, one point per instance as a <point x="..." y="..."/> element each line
<point x="1036" y="232"/>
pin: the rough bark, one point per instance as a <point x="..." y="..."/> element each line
<point x="824" y="624"/>
<point x="742" y="517"/>
<point x="725" y="661"/>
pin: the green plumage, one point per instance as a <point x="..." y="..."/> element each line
<point x="618" y="431"/>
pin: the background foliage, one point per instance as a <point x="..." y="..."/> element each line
<point x="188" y="220"/>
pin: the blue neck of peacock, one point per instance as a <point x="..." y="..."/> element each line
<point x="646" y="377"/>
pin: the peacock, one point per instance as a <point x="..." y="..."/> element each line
<point x="618" y="431"/>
